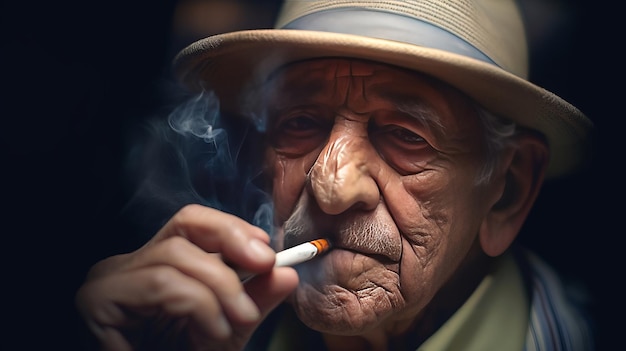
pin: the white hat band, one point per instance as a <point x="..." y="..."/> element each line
<point x="387" y="25"/>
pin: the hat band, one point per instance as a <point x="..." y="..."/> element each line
<point x="387" y="25"/>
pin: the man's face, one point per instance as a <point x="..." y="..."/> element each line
<point x="382" y="162"/>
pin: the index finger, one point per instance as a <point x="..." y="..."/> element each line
<point x="216" y="231"/>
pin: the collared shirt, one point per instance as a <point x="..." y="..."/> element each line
<point x="495" y="317"/>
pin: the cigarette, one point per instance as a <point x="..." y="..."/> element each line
<point x="301" y="253"/>
<point x="297" y="254"/>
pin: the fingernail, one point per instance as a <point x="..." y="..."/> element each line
<point x="247" y="309"/>
<point x="260" y="250"/>
<point x="221" y="327"/>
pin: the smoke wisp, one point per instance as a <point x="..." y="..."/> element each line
<point x="196" y="155"/>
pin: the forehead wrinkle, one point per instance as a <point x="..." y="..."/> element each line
<point x="344" y="85"/>
<point x="291" y="88"/>
<point x="355" y="97"/>
<point x="296" y="80"/>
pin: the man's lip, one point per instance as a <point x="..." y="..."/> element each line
<point x="342" y="258"/>
<point x="380" y="257"/>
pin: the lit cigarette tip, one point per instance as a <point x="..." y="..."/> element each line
<point x="322" y="245"/>
<point x="301" y="253"/>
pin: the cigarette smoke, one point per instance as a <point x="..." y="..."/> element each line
<point x="196" y="155"/>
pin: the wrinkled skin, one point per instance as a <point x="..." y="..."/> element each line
<point x="381" y="161"/>
<point x="394" y="190"/>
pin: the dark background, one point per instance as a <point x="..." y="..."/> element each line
<point x="79" y="77"/>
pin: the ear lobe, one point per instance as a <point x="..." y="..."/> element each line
<point x="524" y="171"/>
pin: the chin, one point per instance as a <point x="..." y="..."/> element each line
<point x="335" y="310"/>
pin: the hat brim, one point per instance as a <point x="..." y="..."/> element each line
<point x="227" y="63"/>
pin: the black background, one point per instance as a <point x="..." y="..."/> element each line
<point x="78" y="75"/>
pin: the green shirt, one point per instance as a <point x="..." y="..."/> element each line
<point x="495" y="317"/>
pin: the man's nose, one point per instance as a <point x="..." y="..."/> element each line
<point x="341" y="178"/>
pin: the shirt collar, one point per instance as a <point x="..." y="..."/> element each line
<point x="495" y="317"/>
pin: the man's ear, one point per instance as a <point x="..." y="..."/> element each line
<point x="522" y="171"/>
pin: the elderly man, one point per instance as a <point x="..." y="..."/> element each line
<point x="405" y="133"/>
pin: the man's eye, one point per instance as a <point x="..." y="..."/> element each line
<point x="401" y="148"/>
<point x="406" y="136"/>
<point x="299" y="124"/>
<point x="397" y="135"/>
<point x="298" y="133"/>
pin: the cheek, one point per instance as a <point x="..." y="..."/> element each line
<point x="427" y="208"/>
<point x="439" y="207"/>
<point x="440" y="222"/>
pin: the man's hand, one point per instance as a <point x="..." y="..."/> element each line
<point x="176" y="292"/>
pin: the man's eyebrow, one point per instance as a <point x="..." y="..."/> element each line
<point x="417" y="108"/>
<point x="422" y="113"/>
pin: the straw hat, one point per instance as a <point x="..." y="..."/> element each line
<point x="477" y="46"/>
